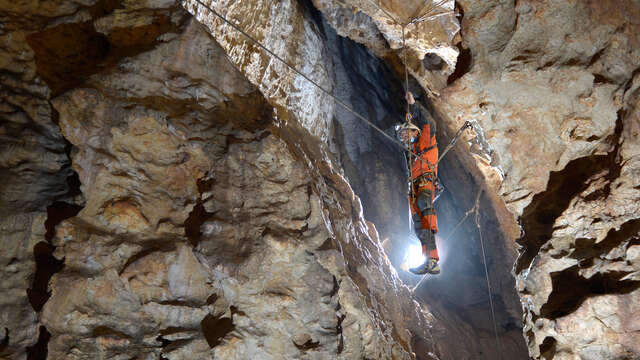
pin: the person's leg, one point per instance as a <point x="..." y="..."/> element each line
<point x="429" y="222"/>
<point x="427" y="239"/>
<point x="421" y="234"/>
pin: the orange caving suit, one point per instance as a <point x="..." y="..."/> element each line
<point x="424" y="172"/>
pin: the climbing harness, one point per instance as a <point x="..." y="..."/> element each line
<point x="456" y="137"/>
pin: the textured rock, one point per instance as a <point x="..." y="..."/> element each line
<point x="373" y="167"/>
<point x="34" y="169"/>
<point x="140" y="96"/>
<point x="201" y="234"/>
<point x="431" y="52"/>
<point x="537" y="84"/>
<point x="592" y="247"/>
<point x="383" y="192"/>
<point x="282" y="28"/>
<point x="553" y="88"/>
<point x="214" y="223"/>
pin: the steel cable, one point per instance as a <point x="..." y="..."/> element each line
<point x="327" y="92"/>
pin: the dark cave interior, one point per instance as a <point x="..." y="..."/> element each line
<point x="377" y="171"/>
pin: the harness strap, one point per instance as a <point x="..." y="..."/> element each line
<point x="424" y="177"/>
<point x="427" y="149"/>
<point x="429" y="211"/>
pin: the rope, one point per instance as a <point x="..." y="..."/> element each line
<point x="476" y="209"/>
<point x="385" y="12"/>
<point x="431" y="17"/>
<point x="406" y="73"/>
<point x="429" y="5"/>
<point x="408" y="115"/>
<point x="327" y="92"/>
<point x="430" y="8"/>
<point x="344" y="105"/>
<point x="486" y="272"/>
<point x="466" y="125"/>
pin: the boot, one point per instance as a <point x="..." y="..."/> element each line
<point x="421" y="269"/>
<point x="430" y="266"/>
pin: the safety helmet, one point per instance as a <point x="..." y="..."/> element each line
<point x="403" y="131"/>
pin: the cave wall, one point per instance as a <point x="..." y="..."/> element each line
<point x="35" y="174"/>
<point x="553" y="86"/>
<point x="165" y="182"/>
<point x="373" y="167"/>
<point x="191" y="214"/>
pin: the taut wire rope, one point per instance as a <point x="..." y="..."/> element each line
<point x="426" y="15"/>
<point x="327" y="92"/>
<point x="384" y="11"/>
<point x="408" y="117"/>
<point x="486" y="272"/>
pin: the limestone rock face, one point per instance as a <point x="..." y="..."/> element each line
<point x="171" y="191"/>
<point x="239" y="248"/>
<point x="430" y="33"/>
<point x="34" y="169"/>
<point x="212" y="222"/>
<point x="282" y="28"/>
<point x="553" y="89"/>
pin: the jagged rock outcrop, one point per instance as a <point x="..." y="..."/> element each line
<point x="34" y="173"/>
<point x="554" y="86"/>
<point x="277" y="269"/>
<point x="171" y="191"/>
<point x="430" y="31"/>
<point x="210" y="223"/>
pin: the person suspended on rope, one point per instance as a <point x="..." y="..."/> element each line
<point x="423" y="188"/>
